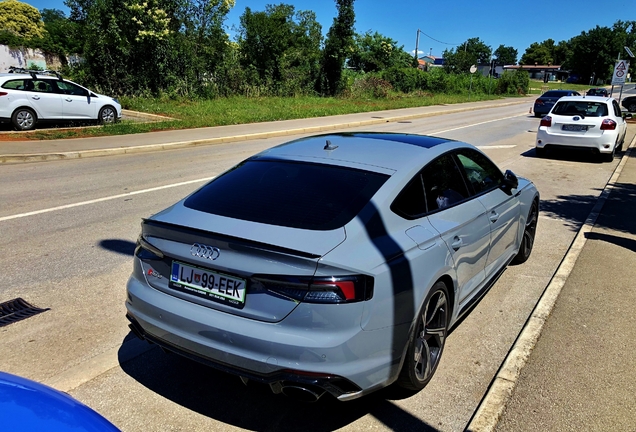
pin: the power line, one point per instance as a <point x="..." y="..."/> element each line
<point x="439" y="41"/>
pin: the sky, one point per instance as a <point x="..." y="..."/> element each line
<point x="445" y="25"/>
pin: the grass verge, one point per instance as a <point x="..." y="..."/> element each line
<point x="240" y="110"/>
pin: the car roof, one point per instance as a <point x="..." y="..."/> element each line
<point x="586" y="98"/>
<point x="365" y="150"/>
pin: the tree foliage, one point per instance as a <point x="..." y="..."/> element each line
<point x="546" y="52"/>
<point x="505" y="55"/>
<point x="372" y="52"/>
<point x="337" y="47"/>
<point x="281" y="48"/>
<point x="471" y="52"/>
<point x="21" y="19"/>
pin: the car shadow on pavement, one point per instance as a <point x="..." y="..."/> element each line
<point x="581" y="156"/>
<point x="222" y="397"/>
<point x="123" y="247"/>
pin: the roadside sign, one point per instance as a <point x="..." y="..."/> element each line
<point x="473" y="69"/>
<point x="620" y="72"/>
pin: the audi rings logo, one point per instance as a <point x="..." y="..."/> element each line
<point x="205" y="251"/>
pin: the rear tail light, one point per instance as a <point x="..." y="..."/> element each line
<point x="546" y="121"/>
<point x="145" y="250"/>
<point x="332" y="289"/>
<point x="3" y="93"/>
<point x="608" y="124"/>
<point x="538" y="102"/>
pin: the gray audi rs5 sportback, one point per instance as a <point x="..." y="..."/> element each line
<point x="331" y="264"/>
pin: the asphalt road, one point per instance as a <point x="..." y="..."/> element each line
<point x="67" y="233"/>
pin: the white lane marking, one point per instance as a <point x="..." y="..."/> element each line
<point x="476" y="124"/>
<point x="83" y="203"/>
<point x="98" y="200"/>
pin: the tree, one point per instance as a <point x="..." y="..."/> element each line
<point x="545" y="53"/>
<point x="374" y="52"/>
<point x="140" y="46"/>
<point x="61" y="37"/>
<point x="471" y="52"/>
<point x="337" y="47"/>
<point x="281" y="46"/>
<point x="505" y="55"/>
<point x="593" y="53"/>
<point x="21" y="19"/>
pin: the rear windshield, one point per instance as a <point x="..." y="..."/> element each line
<point x="556" y="93"/>
<point x="291" y="194"/>
<point x="582" y="108"/>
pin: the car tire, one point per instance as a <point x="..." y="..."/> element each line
<point x="426" y="343"/>
<point x="540" y="152"/>
<point x="631" y="107"/>
<point x="537" y="115"/>
<point x="107" y="115"/>
<point x="23" y="119"/>
<point x="529" y="231"/>
<point x="609" y="157"/>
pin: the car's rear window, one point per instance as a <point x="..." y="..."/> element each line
<point x="556" y="93"/>
<point x="291" y="194"/>
<point x="582" y="108"/>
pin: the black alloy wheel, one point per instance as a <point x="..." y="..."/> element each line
<point x="632" y="107"/>
<point x="427" y="342"/>
<point x="527" y="242"/>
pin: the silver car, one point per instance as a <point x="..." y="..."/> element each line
<point x="331" y="264"/>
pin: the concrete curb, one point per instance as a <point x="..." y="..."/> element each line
<point x="493" y="404"/>
<point x="81" y="154"/>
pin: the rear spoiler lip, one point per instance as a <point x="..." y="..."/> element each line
<point x="159" y="229"/>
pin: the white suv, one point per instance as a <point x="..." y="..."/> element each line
<point x="583" y="122"/>
<point x="28" y="97"/>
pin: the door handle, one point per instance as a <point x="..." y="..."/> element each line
<point x="36" y="97"/>
<point x="494" y="216"/>
<point x="68" y="100"/>
<point x="457" y="243"/>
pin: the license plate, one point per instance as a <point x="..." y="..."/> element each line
<point x="574" y="128"/>
<point x="208" y="284"/>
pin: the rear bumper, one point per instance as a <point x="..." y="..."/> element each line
<point x="602" y="143"/>
<point x="346" y="363"/>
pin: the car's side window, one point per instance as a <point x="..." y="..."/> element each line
<point x="71" y="89"/>
<point x="410" y="202"/>
<point x="444" y="184"/>
<point x="481" y="173"/>
<point x="42" y="86"/>
<point x="617" y="109"/>
<point x="15" y="85"/>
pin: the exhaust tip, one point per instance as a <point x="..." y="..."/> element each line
<point x="303" y="394"/>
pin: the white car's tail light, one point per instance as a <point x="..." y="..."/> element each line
<point x="546" y="121"/>
<point x="608" y="124"/>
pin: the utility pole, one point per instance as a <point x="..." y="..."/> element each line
<point x="417" y="44"/>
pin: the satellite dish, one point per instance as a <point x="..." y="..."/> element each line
<point x="473" y="69"/>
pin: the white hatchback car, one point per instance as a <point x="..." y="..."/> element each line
<point x="583" y="122"/>
<point x="28" y="97"/>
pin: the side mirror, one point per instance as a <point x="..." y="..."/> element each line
<point x="510" y="180"/>
<point x="627" y="116"/>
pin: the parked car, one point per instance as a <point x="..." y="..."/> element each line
<point x="30" y="97"/>
<point x="593" y="123"/>
<point x="333" y="263"/>
<point x="544" y="104"/>
<point x="598" y="92"/>
<point x="27" y="406"/>
<point x="629" y="103"/>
